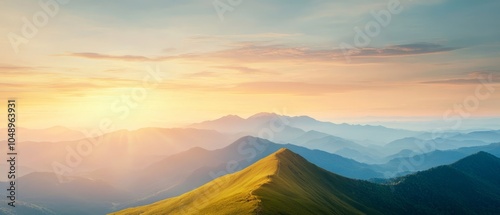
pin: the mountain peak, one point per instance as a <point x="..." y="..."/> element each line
<point x="263" y="114"/>
<point x="482" y="154"/>
<point x="283" y="151"/>
<point x="479" y="156"/>
<point x="280" y="174"/>
<point x="231" y="117"/>
<point x="478" y="159"/>
<point x="286" y="154"/>
<point x="286" y="183"/>
<point x="272" y="163"/>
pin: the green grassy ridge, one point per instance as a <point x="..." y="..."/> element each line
<point x="282" y="183"/>
<point x="286" y="183"/>
<point x="303" y="188"/>
<point x="229" y="194"/>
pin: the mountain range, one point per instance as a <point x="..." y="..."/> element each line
<point x="182" y="172"/>
<point x="286" y="183"/>
<point x="253" y="125"/>
<point x="144" y="166"/>
<point x="197" y="166"/>
<point x="136" y="149"/>
<point x="413" y="162"/>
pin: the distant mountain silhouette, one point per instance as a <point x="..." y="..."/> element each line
<point x="423" y="146"/>
<point x="418" y="162"/>
<point x="132" y="149"/>
<point x="259" y="121"/>
<point x="485" y="136"/>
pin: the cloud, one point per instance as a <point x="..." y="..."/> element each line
<point x="57" y="84"/>
<point x="295" y="88"/>
<point x="224" y="38"/>
<point x="98" y="56"/>
<point x="401" y="50"/>
<point x="237" y="70"/>
<point x="203" y="74"/>
<point x="15" y="72"/>
<point x="252" y="52"/>
<point x="472" y="78"/>
<point x="21" y="70"/>
<point x="268" y="87"/>
<point x="241" y="69"/>
<point x="274" y="52"/>
<point x="257" y="52"/>
<point x="15" y="68"/>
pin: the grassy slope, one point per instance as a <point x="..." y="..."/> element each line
<point x="230" y="194"/>
<point x="300" y="187"/>
<point x="285" y="183"/>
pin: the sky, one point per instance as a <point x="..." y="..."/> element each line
<point x="167" y="63"/>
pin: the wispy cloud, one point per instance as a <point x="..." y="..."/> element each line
<point x="472" y="78"/>
<point x="98" y="56"/>
<point x="269" y="35"/>
<point x="224" y="71"/>
<point x="14" y="68"/>
<point x="251" y="52"/>
<point x="241" y="69"/>
<point x="203" y="74"/>
<point x="258" y="52"/>
<point x="402" y="50"/>
<point x="293" y="88"/>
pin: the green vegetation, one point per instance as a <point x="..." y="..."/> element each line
<point x="285" y="183"/>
